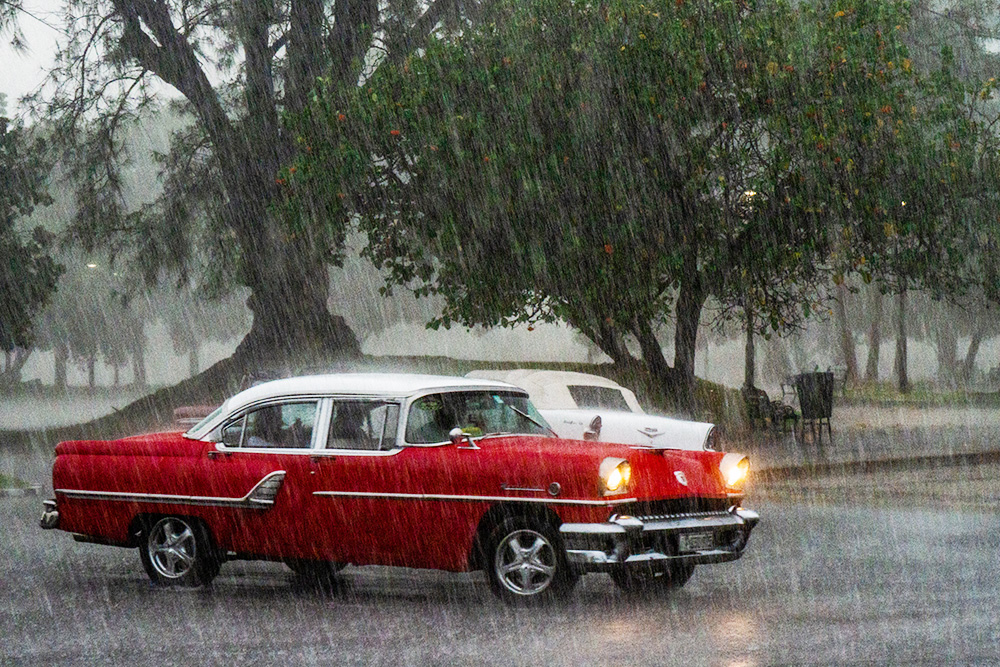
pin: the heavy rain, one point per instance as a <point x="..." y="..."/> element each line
<point x="774" y="223"/>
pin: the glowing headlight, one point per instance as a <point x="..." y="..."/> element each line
<point x="735" y="468"/>
<point x="615" y="474"/>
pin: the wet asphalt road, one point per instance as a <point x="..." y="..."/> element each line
<point x="818" y="585"/>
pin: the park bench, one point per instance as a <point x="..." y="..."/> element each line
<point x="763" y="413"/>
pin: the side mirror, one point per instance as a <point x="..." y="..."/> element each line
<point x="458" y="436"/>
<point x="593" y="431"/>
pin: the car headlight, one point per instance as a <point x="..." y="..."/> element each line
<point x="735" y="468"/>
<point x="615" y="474"/>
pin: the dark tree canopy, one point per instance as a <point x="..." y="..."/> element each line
<point x="28" y="274"/>
<point x="237" y="67"/>
<point x="616" y="164"/>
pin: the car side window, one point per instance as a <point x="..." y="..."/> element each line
<point x="278" y="426"/>
<point x="430" y="420"/>
<point x="363" y="425"/>
<point x="232" y="433"/>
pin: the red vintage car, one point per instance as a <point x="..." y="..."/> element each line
<point x="448" y="473"/>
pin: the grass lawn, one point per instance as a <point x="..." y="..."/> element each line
<point x="921" y="394"/>
<point x="7" y="482"/>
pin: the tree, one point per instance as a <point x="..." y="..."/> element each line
<point x="193" y="318"/>
<point x="238" y="67"/>
<point x="78" y="322"/>
<point x="555" y="165"/>
<point x="28" y="274"/>
<point x="923" y="135"/>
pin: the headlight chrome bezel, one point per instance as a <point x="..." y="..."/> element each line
<point x="735" y="470"/>
<point x="615" y="475"/>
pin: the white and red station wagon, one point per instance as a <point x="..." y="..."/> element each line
<point x="420" y="471"/>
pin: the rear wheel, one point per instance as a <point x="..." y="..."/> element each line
<point x="527" y="563"/>
<point x="649" y="581"/>
<point x="178" y="551"/>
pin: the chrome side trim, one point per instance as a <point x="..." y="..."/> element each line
<point x="334" y="453"/>
<point x="528" y="489"/>
<point x="261" y="496"/>
<point x="481" y="499"/>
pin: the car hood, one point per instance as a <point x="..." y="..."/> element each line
<point x="629" y="428"/>
<point x="656" y="473"/>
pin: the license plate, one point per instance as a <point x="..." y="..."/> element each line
<point x="696" y="541"/>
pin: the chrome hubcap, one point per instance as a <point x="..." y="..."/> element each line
<point x="171" y="548"/>
<point x="525" y="562"/>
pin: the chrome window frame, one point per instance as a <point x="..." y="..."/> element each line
<point x="404" y="417"/>
<point x="324" y="451"/>
<point x="322" y="427"/>
<point x="322" y="416"/>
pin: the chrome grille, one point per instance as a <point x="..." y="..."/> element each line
<point x="695" y="506"/>
<point x="682" y="515"/>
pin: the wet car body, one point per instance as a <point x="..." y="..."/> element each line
<point x="419" y="471"/>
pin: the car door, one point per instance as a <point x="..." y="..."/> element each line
<point x="360" y="463"/>
<point x="263" y="458"/>
<point x="382" y="502"/>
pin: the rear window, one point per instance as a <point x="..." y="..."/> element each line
<point x="589" y="396"/>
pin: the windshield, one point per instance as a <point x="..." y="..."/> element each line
<point x="477" y="413"/>
<point x="195" y="431"/>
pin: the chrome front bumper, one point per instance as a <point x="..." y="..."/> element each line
<point x="626" y="541"/>
<point x="50" y="515"/>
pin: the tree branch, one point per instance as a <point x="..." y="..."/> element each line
<point x="174" y="61"/>
<point x="351" y="37"/>
<point x="416" y="36"/>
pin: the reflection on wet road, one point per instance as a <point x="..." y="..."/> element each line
<point x="819" y="585"/>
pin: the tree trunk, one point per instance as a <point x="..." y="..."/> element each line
<point x="847" y="349"/>
<point x="902" y="379"/>
<point x="690" y="301"/>
<point x="139" y="363"/>
<point x="193" y="362"/>
<point x="947" y="354"/>
<point x="91" y="370"/>
<point x="285" y="272"/>
<point x="13" y="363"/>
<point x="874" y="340"/>
<point x="969" y="364"/>
<point x="652" y="353"/>
<point x="291" y="319"/>
<point x="60" y="358"/>
<point x="114" y="382"/>
<point x="750" y="358"/>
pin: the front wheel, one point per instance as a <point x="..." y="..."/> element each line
<point x="178" y="551"/>
<point x="642" y="581"/>
<point x="527" y="563"/>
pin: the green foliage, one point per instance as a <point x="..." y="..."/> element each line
<point x="556" y="164"/>
<point x="582" y="161"/>
<point x="904" y="167"/>
<point x="28" y="274"/>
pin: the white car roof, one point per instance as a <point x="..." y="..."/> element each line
<point x="549" y="389"/>
<point x="389" y="385"/>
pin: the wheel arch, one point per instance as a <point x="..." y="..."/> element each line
<point x="143" y="520"/>
<point x="499" y="513"/>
